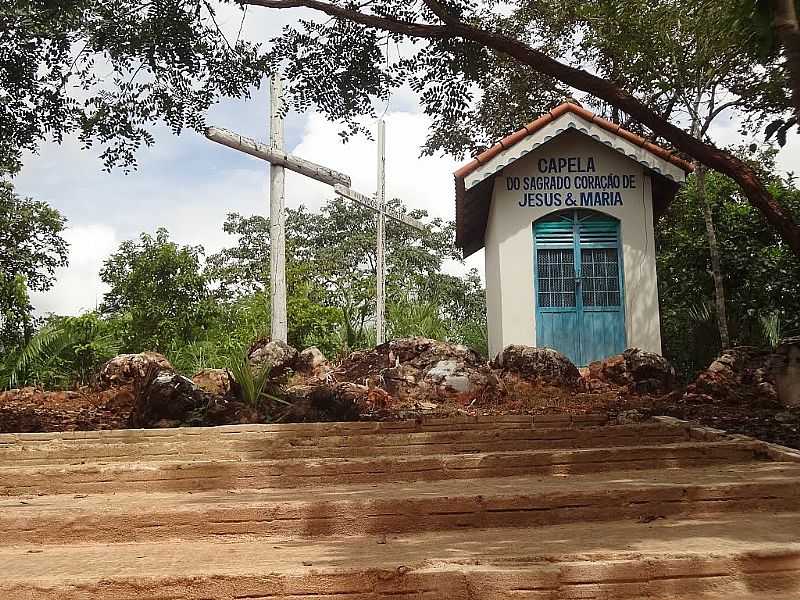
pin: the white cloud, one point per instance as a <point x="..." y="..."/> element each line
<point x="190" y="185"/>
<point x="420" y="182"/>
<point x="78" y="287"/>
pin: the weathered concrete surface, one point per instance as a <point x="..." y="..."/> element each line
<point x="464" y="509"/>
<point x="420" y="506"/>
<point x="169" y="474"/>
<point x="285" y="445"/>
<point x="723" y="558"/>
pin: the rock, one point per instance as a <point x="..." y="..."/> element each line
<point x="449" y="373"/>
<point x="166" y="396"/>
<point x="418" y="369"/>
<point x="222" y="411"/>
<point x="213" y="381"/>
<point x="426" y="406"/>
<point x="459" y="383"/>
<point x="344" y="401"/>
<point x="127" y="369"/>
<point x="311" y="362"/>
<point x="787" y="372"/>
<point x="537" y="365"/>
<point x="636" y="370"/>
<point x="277" y="355"/>
<point x="629" y="417"/>
<point x="743" y="374"/>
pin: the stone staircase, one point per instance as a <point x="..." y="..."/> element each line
<point x="518" y="507"/>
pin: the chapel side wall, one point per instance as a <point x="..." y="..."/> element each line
<point x="513" y="250"/>
<point x="494" y="307"/>
<point x="642" y="313"/>
<point x="511" y="231"/>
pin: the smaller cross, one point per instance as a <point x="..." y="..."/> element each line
<point x="341" y="185"/>
<point x="378" y="204"/>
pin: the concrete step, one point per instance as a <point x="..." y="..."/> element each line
<point x="315" y="430"/>
<point x="740" y="555"/>
<point x="372" y="509"/>
<point x="518" y="507"/>
<point x="196" y="475"/>
<point x="275" y="443"/>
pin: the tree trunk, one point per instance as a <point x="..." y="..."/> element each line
<point x="716" y="263"/>
<point x="787" y="30"/>
<point x="711" y="233"/>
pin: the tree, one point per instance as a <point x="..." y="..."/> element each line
<point x="244" y="268"/>
<point x="772" y="26"/>
<point x="331" y="274"/>
<point x="106" y="69"/>
<point x="462" y="304"/>
<point x="160" y="288"/>
<point x="32" y="247"/>
<point x="699" y="76"/>
<point x="445" y="40"/>
<point x="766" y="273"/>
<point x="169" y="61"/>
<point x="787" y="30"/>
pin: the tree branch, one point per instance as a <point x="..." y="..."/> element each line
<point x="711" y="156"/>
<point x="418" y="30"/>
<point x="713" y="114"/>
<point x="440" y="11"/>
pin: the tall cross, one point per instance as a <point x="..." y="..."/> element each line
<point x="279" y="327"/>
<point x="279" y="160"/>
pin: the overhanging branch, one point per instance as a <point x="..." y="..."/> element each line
<point x="711" y="156"/>
<point x="440" y="11"/>
<point x="420" y="30"/>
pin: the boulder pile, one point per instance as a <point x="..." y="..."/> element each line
<point x="749" y="374"/>
<point x="166" y="399"/>
<point x="536" y="365"/>
<point x="635" y="371"/>
<point x="418" y="370"/>
<point x="402" y="378"/>
<point x="276" y="355"/>
<point x="127" y="369"/>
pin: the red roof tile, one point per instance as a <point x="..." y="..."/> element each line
<point x="467" y="240"/>
<point x="561" y="109"/>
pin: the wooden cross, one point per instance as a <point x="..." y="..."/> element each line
<point x="378" y="204"/>
<point x="278" y="159"/>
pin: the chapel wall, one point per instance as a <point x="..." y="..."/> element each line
<point x="509" y="239"/>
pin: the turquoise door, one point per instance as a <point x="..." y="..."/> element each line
<point x="579" y="285"/>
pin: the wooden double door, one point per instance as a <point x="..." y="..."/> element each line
<point x="579" y="285"/>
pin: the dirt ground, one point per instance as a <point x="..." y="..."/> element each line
<point x="31" y="410"/>
<point x="768" y="422"/>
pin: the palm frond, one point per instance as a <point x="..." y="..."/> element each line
<point x="42" y="348"/>
<point x="63" y="352"/>
<point x="702" y="312"/>
<point x="771" y="328"/>
<point x="252" y="383"/>
<point x="422" y="319"/>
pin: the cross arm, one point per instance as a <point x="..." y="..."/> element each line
<point x="371" y="203"/>
<point x="276" y="157"/>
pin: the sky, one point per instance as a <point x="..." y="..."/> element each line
<point x="188" y="184"/>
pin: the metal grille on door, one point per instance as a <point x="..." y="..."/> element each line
<point x="579" y="285"/>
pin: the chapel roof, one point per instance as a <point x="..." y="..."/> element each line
<point x="474" y="181"/>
